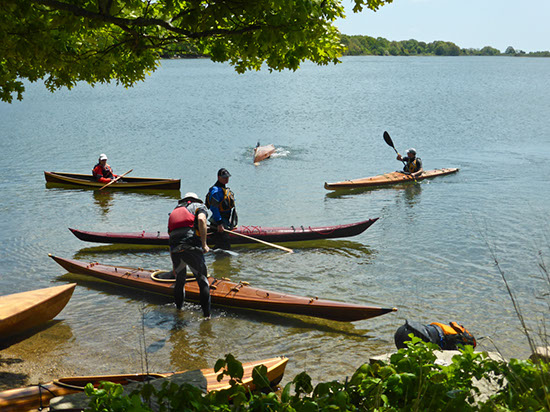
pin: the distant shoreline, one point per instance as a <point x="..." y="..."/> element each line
<point x="361" y="45"/>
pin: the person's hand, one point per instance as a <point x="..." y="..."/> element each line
<point x="205" y="249"/>
<point x="399" y="157"/>
<point x="220" y="227"/>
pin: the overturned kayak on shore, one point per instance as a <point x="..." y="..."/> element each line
<point x="263" y="152"/>
<point x="223" y="292"/>
<point x="22" y="311"/>
<point x="387" y="179"/>
<point x="82" y="180"/>
<point x="39" y="396"/>
<point x="267" y="234"/>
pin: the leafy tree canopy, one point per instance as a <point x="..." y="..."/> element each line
<point x="98" y="41"/>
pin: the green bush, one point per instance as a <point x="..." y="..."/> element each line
<point x="411" y="381"/>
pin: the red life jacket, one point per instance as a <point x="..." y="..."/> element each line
<point x="180" y="217"/>
<point x="102" y="174"/>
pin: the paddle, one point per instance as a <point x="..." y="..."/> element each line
<point x="389" y="142"/>
<point x="260" y="241"/>
<point x="114" y="180"/>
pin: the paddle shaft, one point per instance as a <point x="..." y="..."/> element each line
<point x="114" y="180"/>
<point x="259" y="241"/>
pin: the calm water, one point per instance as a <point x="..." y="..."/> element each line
<point x="427" y="255"/>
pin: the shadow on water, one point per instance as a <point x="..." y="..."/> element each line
<point x="119" y="249"/>
<point x="169" y="318"/>
<point x="50" y="326"/>
<point x="169" y="194"/>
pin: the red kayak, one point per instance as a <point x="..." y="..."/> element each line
<point x="267" y="234"/>
<point x="226" y="293"/>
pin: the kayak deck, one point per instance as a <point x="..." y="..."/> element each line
<point x="387" y="179"/>
<point x="223" y="292"/>
<point x="267" y="234"/>
<point x="22" y="311"/>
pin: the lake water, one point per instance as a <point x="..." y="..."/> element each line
<point x="429" y="255"/>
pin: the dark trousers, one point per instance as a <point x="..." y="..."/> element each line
<point x="195" y="260"/>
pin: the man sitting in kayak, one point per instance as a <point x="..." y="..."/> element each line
<point x="413" y="164"/>
<point x="187" y="229"/>
<point x="102" y="172"/>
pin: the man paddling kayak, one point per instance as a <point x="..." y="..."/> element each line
<point x="102" y="172"/>
<point x="187" y="229"/>
<point x="413" y="164"/>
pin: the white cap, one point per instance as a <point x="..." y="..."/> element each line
<point x="190" y="196"/>
<point x="102" y="156"/>
<point x="412" y="150"/>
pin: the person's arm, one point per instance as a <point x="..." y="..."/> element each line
<point x="420" y="169"/>
<point x="202" y="231"/>
<point x="215" y="199"/>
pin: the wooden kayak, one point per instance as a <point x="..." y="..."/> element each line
<point x="387" y="179"/>
<point x="22" y="311"/>
<point x="267" y="234"/>
<point x="34" y="397"/>
<point x="82" y="180"/>
<point x="263" y="152"/>
<point x="223" y="292"/>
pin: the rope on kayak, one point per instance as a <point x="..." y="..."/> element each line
<point x="40" y="387"/>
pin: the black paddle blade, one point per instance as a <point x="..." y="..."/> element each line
<point x="388" y="140"/>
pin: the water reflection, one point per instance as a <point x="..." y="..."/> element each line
<point x="119" y="249"/>
<point x="190" y="348"/>
<point x="169" y="194"/>
<point x="104" y="199"/>
<point x="411" y="194"/>
<point x="341" y="194"/>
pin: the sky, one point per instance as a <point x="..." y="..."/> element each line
<point x="522" y="24"/>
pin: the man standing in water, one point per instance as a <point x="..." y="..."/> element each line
<point x="187" y="229"/>
<point x="221" y="202"/>
<point x="413" y="164"/>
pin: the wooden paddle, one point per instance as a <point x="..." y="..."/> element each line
<point x="114" y="180"/>
<point x="259" y="240"/>
<point x="389" y="142"/>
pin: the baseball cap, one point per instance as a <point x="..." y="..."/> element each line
<point x="102" y="156"/>
<point x="223" y="172"/>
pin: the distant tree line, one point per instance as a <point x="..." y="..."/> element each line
<point x="369" y="46"/>
<point x="366" y="45"/>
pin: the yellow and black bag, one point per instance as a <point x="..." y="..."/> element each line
<point x="447" y="337"/>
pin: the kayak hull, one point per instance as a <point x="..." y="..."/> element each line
<point x="33" y="397"/>
<point x="267" y="234"/>
<point x="387" y="179"/>
<point x="20" y="312"/>
<point x="83" y="180"/>
<point x="263" y="152"/>
<point x="225" y="293"/>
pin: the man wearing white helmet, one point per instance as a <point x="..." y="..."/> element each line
<point x="102" y="172"/>
<point x="413" y="164"/>
<point x="187" y="229"/>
